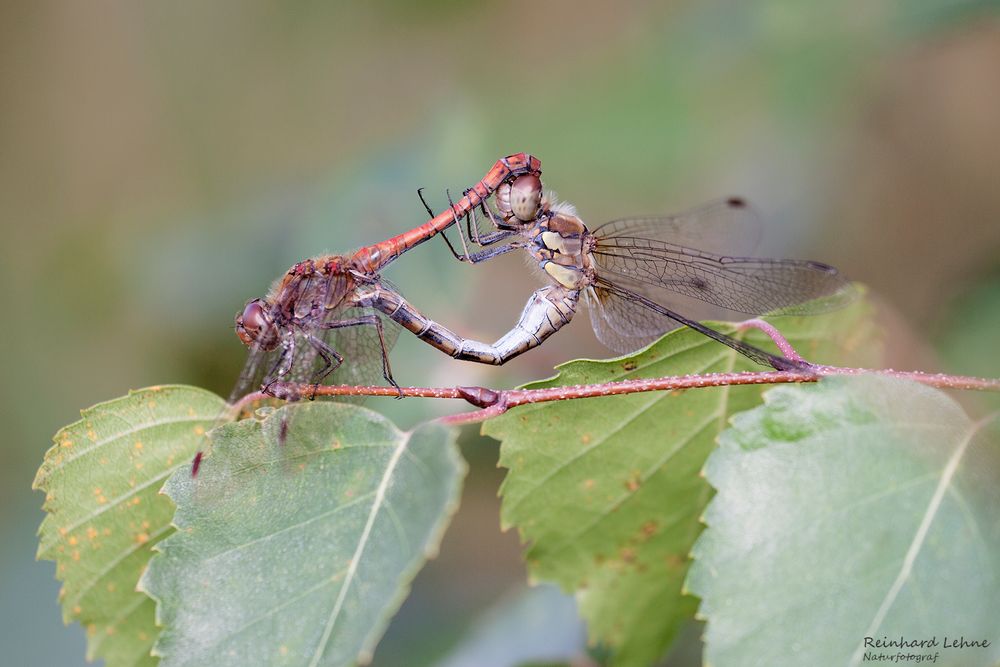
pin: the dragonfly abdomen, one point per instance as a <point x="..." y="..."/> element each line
<point x="547" y="311"/>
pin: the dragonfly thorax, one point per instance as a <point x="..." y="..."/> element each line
<point x="558" y="243"/>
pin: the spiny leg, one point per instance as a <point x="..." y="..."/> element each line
<point x="282" y="366"/>
<point x="471" y="224"/>
<point x="375" y="321"/>
<point x="325" y="352"/>
<point x="497" y="224"/>
<point x="458" y="224"/>
<point x="420" y="193"/>
<point x="490" y="253"/>
<point x="501" y="230"/>
<point x="481" y="240"/>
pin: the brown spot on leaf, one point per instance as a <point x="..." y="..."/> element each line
<point x="634" y="481"/>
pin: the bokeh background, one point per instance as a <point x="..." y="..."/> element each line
<point x="160" y="163"/>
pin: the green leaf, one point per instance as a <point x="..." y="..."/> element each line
<point x="607" y="490"/>
<point x="299" y="553"/>
<point x="859" y="507"/>
<point x="101" y="483"/>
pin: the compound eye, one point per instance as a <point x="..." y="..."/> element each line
<point x="253" y="318"/>
<point x="525" y="197"/>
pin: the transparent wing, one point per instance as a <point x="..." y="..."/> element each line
<point x="326" y="333"/>
<point x="724" y="226"/>
<point x="625" y="321"/>
<point x="620" y="325"/>
<point x="257" y="364"/>
<point x="361" y="348"/>
<point x="689" y="279"/>
<point x="292" y="310"/>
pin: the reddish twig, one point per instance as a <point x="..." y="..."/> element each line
<point x="496" y="402"/>
<point x="772" y="331"/>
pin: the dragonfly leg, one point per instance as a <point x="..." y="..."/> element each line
<point x="370" y="320"/>
<point x="471" y="223"/>
<point x="282" y="366"/>
<point x="547" y="311"/>
<point x="328" y="355"/>
<point x="477" y="238"/>
<point x="497" y="224"/>
<point x="498" y="235"/>
<point x="420" y="193"/>
<point x="458" y="224"/>
<point x="470" y="216"/>
<point x="490" y="253"/>
<point x="372" y="258"/>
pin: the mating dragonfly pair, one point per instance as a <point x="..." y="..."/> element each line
<point x="640" y="278"/>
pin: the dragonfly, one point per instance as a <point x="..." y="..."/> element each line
<point x="289" y="331"/>
<point x="320" y="312"/>
<point x="640" y="277"/>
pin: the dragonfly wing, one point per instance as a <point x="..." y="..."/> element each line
<point x="259" y="362"/>
<point x="622" y="326"/>
<point x="702" y="284"/>
<point x="304" y="298"/>
<point x="722" y="226"/>
<point x="360" y="347"/>
<point x="356" y="340"/>
<point x="629" y="320"/>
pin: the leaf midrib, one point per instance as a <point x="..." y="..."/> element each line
<point x="352" y="569"/>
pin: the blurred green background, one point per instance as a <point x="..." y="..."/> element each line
<point x="160" y="163"/>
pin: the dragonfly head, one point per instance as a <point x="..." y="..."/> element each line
<point x="254" y="326"/>
<point x="520" y="199"/>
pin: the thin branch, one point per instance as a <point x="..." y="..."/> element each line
<point x="772" y="331"/>
<point x="496" y="402"/>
